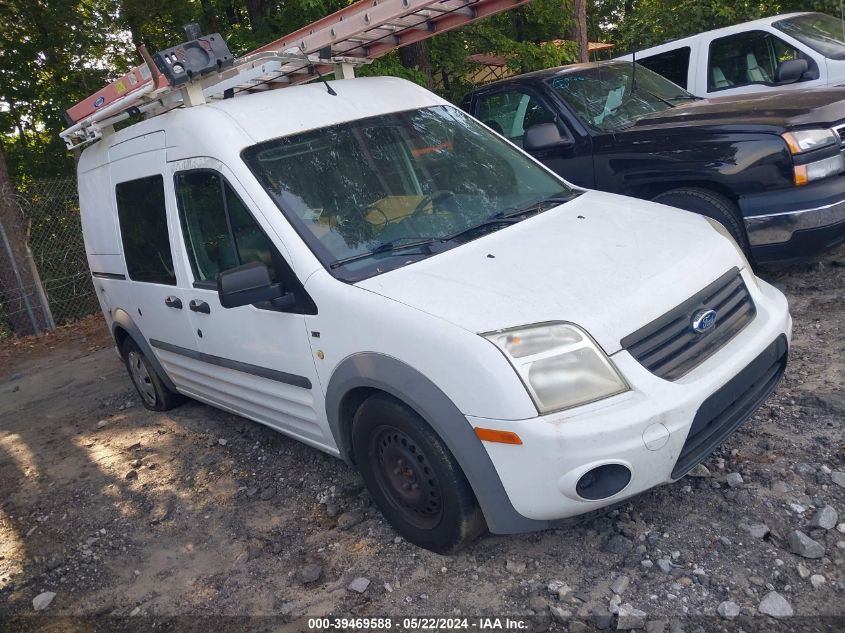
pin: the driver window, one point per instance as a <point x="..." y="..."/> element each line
<point x="745" y="59"/>
<point x="218" y="230"/>
<point x="511" y="113"/>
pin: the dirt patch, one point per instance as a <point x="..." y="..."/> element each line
<point x="127" y="513"/>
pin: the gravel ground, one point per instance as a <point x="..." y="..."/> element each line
<point x="148" y="521"/>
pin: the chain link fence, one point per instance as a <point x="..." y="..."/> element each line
<point x="44" y="276"/>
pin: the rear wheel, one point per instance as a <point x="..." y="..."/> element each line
<point x="413" y="478"/>
<point x="155" y="395"/>
<point x="710" y="204"/>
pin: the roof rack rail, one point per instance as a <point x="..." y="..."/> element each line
<point x="204" y="69"/>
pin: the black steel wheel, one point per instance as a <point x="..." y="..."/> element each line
<point x="413" y="478"/>
<point x="155" y="395"/>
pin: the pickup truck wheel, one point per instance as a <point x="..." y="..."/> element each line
<point x="413" y="477"/>
<point x="712" y="205"/>
<point x="155" y="395"/>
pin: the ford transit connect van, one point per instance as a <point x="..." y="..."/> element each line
<point x="380" y="276"/>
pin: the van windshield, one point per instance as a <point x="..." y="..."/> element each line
<point x="378" y="193"/>
<point x="821" y="32"/>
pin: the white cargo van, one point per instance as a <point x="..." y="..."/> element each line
<point x="795" y="51"/>
<point x="380" y="276"/>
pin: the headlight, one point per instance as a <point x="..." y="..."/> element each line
<point x="818" y="169"/>
<point x="559" y="364"/>
<point x="805" y="140"/>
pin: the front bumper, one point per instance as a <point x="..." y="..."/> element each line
<point x="644" y="430"/>
<point x="796" y="224"/>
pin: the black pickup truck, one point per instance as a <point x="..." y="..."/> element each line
<point x="769" y="167"/>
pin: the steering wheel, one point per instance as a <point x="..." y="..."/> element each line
<point x="430" y="199"/>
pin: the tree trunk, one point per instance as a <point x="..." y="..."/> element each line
<point x="257" y="11"/>
<point x="18" y="288"/>
<point x="580" y="10"/>
<point x="416" y="56"/>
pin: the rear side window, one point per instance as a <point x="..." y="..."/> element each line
<point x="747" y="58"/>
<point x="674" y="65"/>
<point x="219" y="231"/>
<point x="143" y="230"/>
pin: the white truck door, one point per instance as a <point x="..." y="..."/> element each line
<point x="257" y="360"/>
<point x="745" y="63"/>
<point x="151" y="294"/>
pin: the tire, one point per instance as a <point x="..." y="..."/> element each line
<point x="154" y="394"/>
<point x="413" y="478"/>
<point x="710" y="204"/>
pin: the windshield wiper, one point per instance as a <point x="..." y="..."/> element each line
<point x="684" y="98"/>
<point x="391" y="247"/>
<point x="511" y="215"/>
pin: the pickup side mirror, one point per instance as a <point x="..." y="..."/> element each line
<point x="545" y="136"/>
<point x="790" y="71"/>
<point x="249" y="284"/>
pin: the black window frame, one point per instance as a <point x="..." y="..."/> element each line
<point x="152" y="180"/>
<point x="281" y="267"/>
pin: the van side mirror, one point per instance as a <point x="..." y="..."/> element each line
<point x="249" y="284"/>
<point x="545" y="136"/>
<point x="791" y="71"/>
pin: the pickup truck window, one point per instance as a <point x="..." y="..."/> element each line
<point x="603" y="98"/>
<point x="360" y="193"/>
<point x="746" y="58"/>
<point x="823" y="33"/>
<point x="512" y="112"/>
<point x="674" y="64"/>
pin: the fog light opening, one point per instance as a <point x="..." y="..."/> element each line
<point x="603" y="481"/>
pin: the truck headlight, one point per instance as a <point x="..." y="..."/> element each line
<point x="559" y="364"/>
<point x="801" y="141"/>
<point x="819" y="169"/>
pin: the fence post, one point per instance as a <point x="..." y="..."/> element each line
<point x="42" y="296"/>
<point x="11" y="255"/>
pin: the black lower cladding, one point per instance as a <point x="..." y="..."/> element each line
<point x="724" y="411"/>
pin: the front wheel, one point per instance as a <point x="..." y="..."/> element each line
<point x="710" y="204"/>
<point x="413" y="478"/>
<point x="155" y="395"/>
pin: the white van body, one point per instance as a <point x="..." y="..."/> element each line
<point x="608" y="264"/>
<point x="694" y="64"/>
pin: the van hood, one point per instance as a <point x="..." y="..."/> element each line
<point x="778" y="109"/>
<point x="607" y="263"/>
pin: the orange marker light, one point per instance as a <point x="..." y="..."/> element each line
<point x="792" y="143"/>
<point x="801" y="177"/>
<point x="492" y="435"/>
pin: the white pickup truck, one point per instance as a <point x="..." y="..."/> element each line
<point x="794" y="51"/>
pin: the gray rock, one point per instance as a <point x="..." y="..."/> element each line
<point x="576" y="626"/>
<point x="807" y="471"/>
<point x="664" y="565"/>
<point x="132" y="474"/>
<point x="515" y="567"/>
<point x="655" y="626"/>
<point x="757" y="530"/>
<point x="630" y="618"/>
<point x="560" y="615"/>
<point x="602" y="618"/>
<point x="349" y="519"/>
<point x="268" y="493"/>
<point x="801" y="544"/>
<point x="824" y="518"/>
<point x="838" y="477"/>
<point x="43" y="600"/>
<point x="619" y="585"/>
<point x="646" y="564"/>
<point x="359" y="585"/>
<point x="734" y="480"/>
<point x="817" y="580"/>
<point x="558" y="588"/>
<point x="775" y="605"/>
<point x="728" y="610"/>
<point x="618" y="544"/>
<point x="309" y="573"/>
<point x="700" y="471"/>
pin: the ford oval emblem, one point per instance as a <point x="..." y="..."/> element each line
<point x="703" y="321"/>
<point x="100" y="101"/>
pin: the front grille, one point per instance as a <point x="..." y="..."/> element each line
<point x="669" y="347"/>
<point x="840" y="129"/>
<point x="724" y="411"/>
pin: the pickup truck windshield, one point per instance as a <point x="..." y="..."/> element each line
<point x="370" y="195"/>
<point x="823" y="33"/>
<point x="603" y="97"/>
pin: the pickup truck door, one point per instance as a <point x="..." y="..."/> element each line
<point x="511" y="109"/>
<point x="746" y="62"/>
<point x="256" y="359"/>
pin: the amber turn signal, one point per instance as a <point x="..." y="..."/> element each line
<point x="492" y="435"/>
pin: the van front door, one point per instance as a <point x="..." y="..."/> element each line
<point x="257" y="360"/>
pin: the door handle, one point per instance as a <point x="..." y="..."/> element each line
<point x="199" y="306"/>
<point x="173" y="302"/>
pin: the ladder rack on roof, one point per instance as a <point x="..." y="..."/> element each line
<point x="355" y="35"/>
